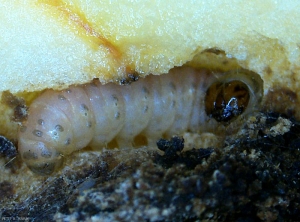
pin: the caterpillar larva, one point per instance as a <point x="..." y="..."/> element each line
<point x="61" y="122"/>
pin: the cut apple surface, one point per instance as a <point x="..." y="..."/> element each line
<point x="57" y="43"/>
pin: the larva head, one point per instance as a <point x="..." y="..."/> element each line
<point x="233" y="94"/>
<point x="38" y="157"/>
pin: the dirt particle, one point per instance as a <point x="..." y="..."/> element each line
<point x="130" y="77"/>
<point x="6" y="190"/>
<point x="7" y="148"/>
<point x="281" y="100"/>
<point x="20" y="110"/>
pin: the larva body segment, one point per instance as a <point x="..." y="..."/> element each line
<point x="138" y="110"/>
<point x="108" y="110"/>
<point x="163" y="100"/>
<point x="61" y="122"/>
<point x="185" y="97"/>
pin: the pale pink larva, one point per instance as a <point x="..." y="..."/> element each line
<point x="61" y="122"/>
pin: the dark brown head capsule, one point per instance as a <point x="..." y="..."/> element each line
<point x="226" y="100"/>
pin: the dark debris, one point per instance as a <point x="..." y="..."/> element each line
<point x="17" y="104"/>
<point x="172" y="153"/>
<point x="6" y="190"/>
<point x="131" y="77"/>
<point x="7" y="148"/>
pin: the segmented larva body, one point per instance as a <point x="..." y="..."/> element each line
<point x="61" y="122"/>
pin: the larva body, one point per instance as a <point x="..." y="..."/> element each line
<point x="61" y="122"/>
